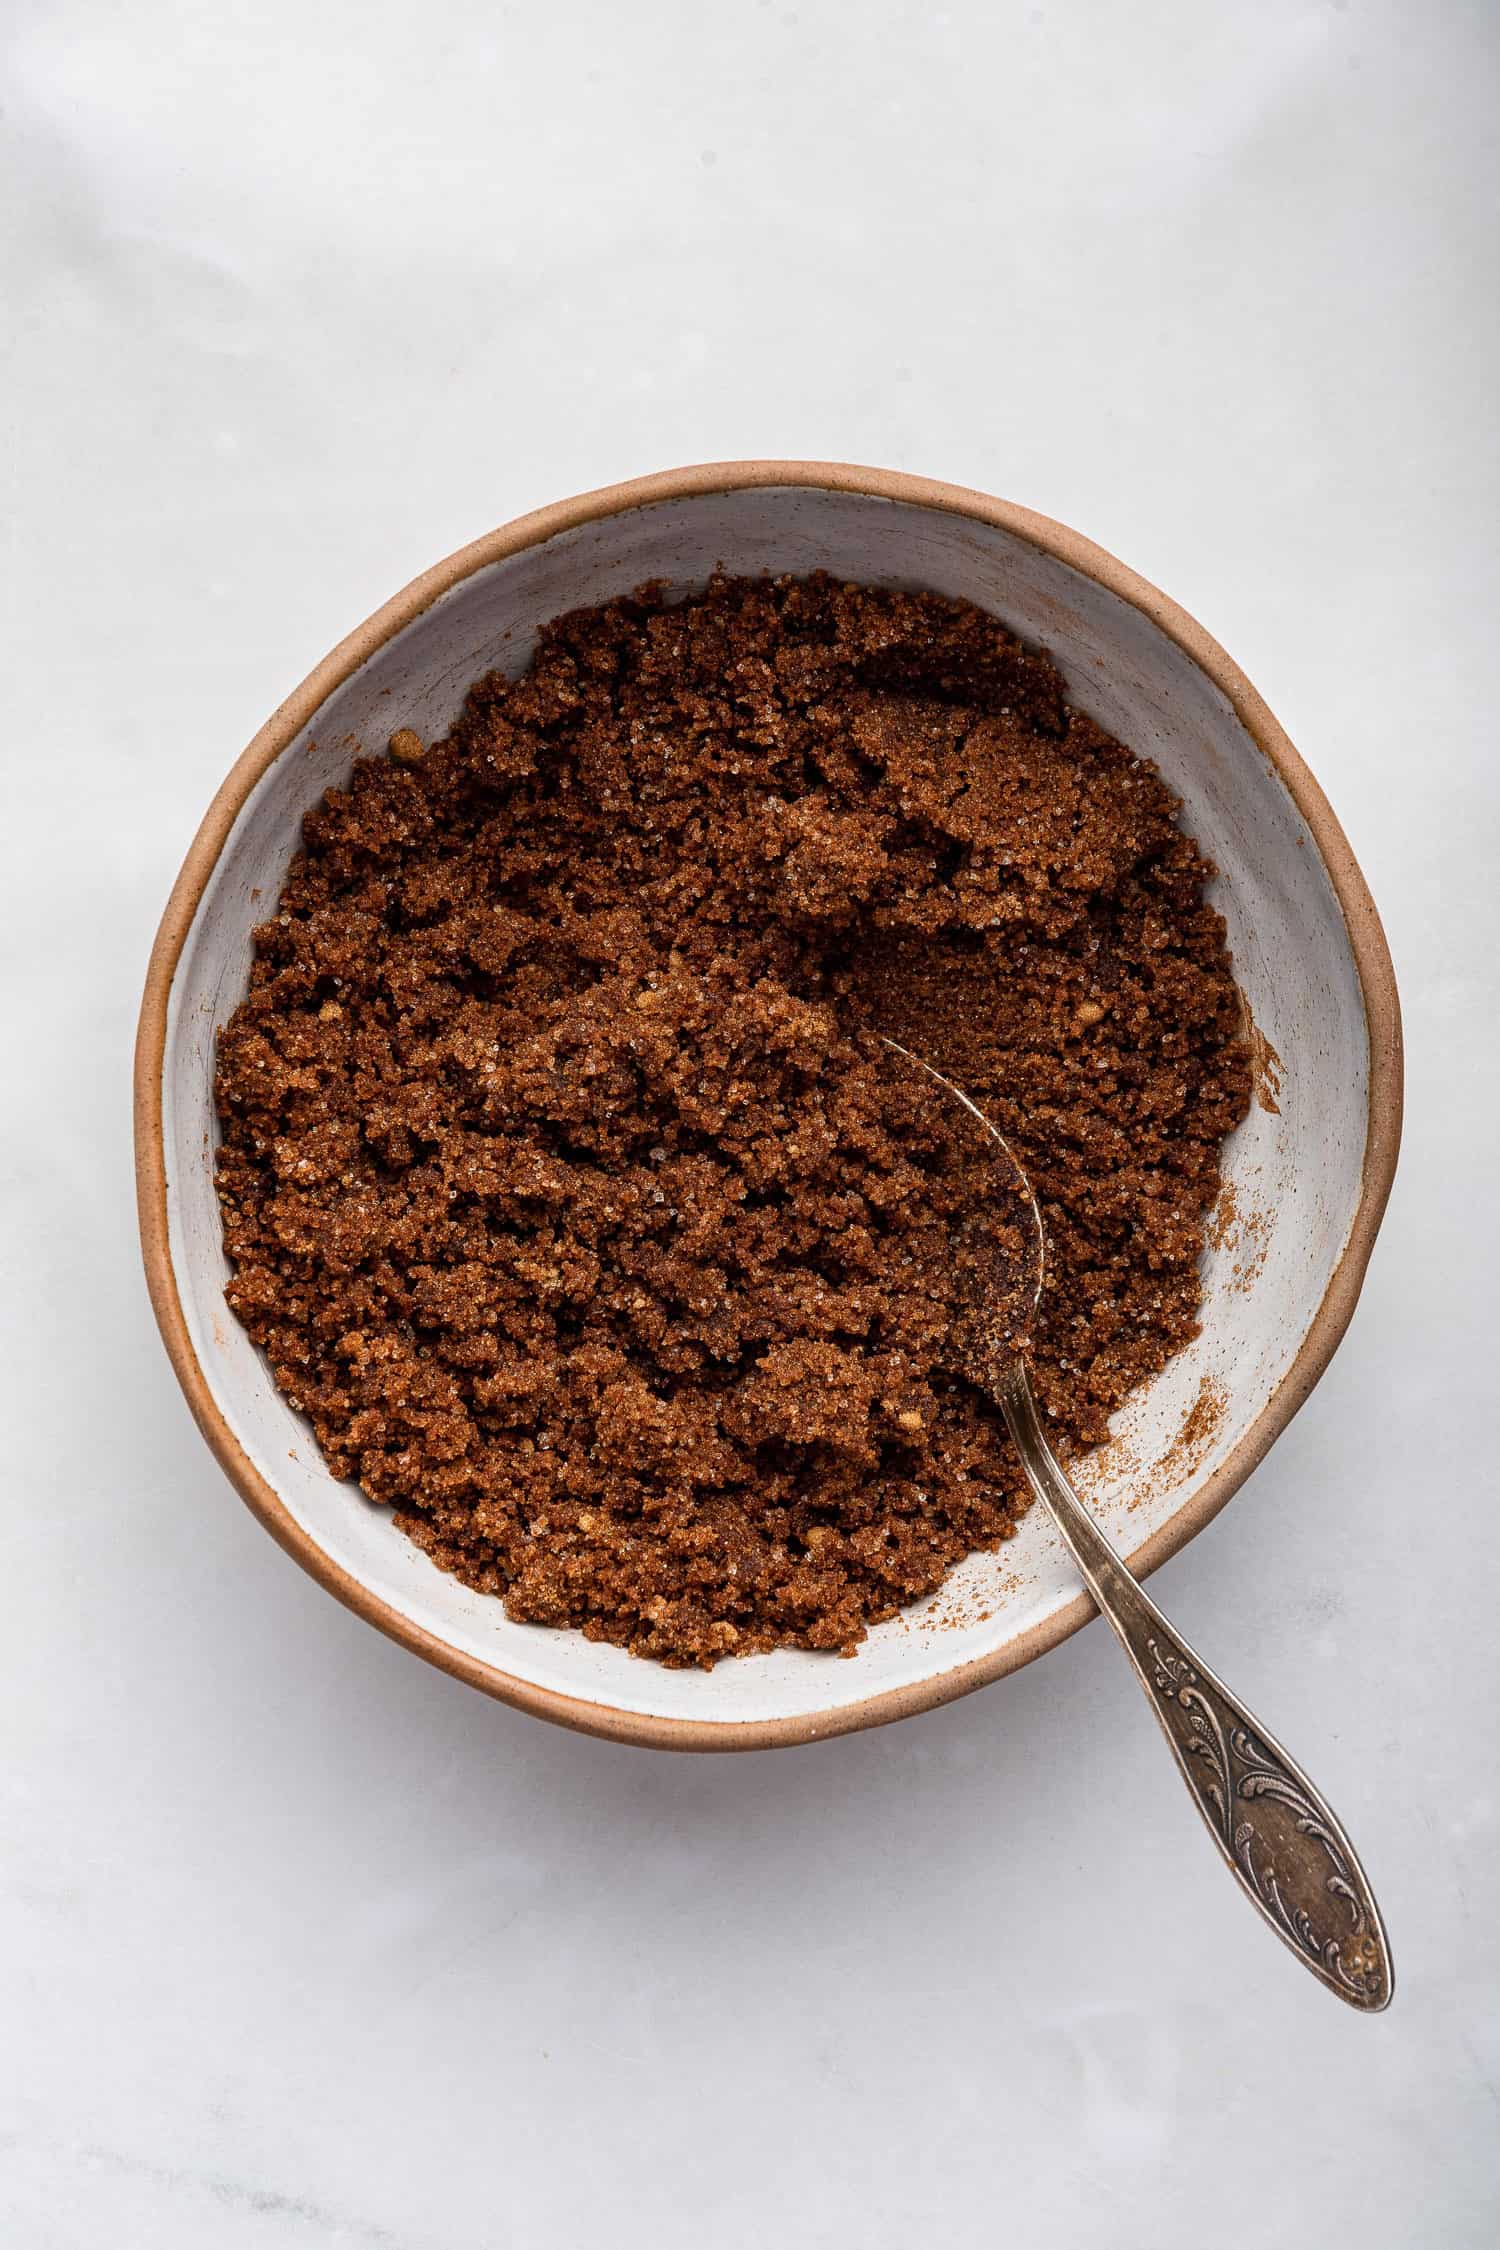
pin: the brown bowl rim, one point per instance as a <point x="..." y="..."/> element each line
<point x="1383" y="1130"/>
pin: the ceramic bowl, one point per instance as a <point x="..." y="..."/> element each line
<point x="1307" y="1174"/>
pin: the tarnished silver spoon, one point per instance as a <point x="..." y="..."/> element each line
<point x="1285" y="1847"/>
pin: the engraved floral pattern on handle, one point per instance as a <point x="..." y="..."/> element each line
<point x="1285" y="1848"/>
<point x="1290" y="1851"/>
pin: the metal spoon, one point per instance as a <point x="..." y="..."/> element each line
<point x="1284" y="1846"/>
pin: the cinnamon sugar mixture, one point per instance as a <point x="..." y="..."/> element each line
<point x="567" y="1184"/>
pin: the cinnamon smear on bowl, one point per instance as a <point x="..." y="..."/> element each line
<point x="567" y="1185"/>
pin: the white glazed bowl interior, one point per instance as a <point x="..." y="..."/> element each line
<point x="1296" y="1170"/>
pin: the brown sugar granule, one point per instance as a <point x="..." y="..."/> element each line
<point x="567" y="1183"/>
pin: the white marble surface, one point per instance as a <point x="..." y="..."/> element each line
<point x="303" y="1944"/>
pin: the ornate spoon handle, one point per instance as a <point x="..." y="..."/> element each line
<point x="1284" y="1846"/>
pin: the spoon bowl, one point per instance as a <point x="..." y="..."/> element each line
<point x="1000" y="1255"/>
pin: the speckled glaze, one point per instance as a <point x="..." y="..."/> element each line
<point x="1308" y="1173"/>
